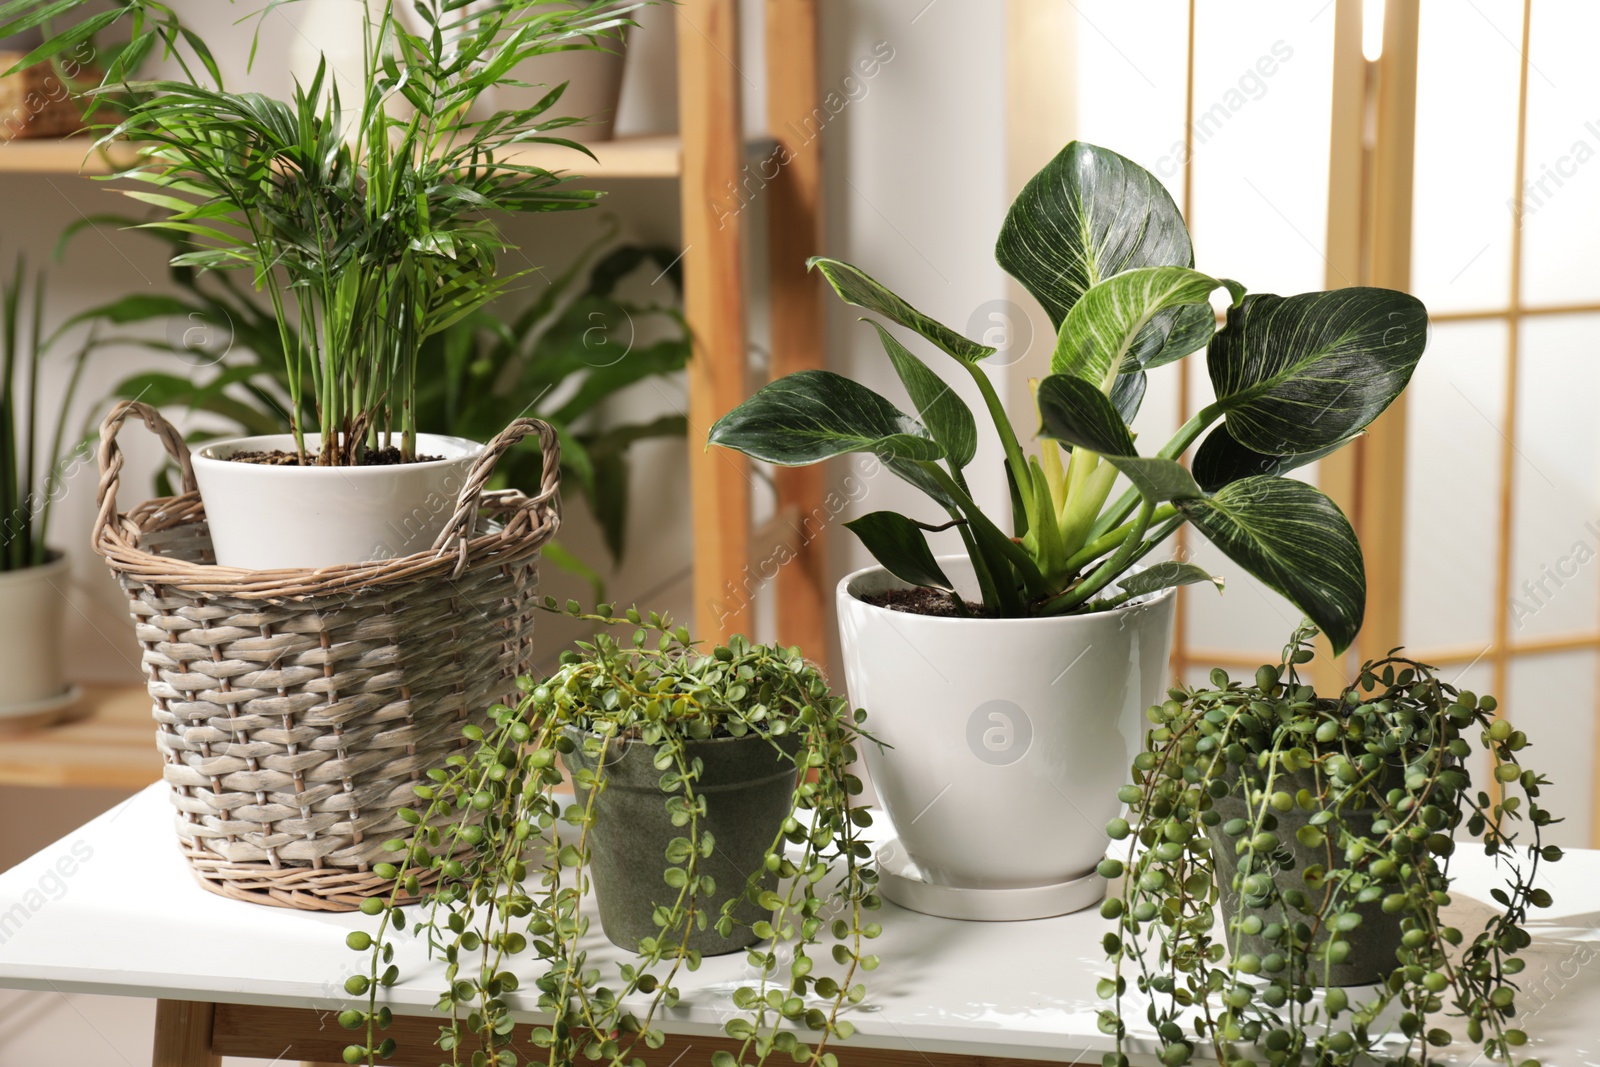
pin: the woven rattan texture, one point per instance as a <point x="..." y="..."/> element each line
<point x="293" y="724"/>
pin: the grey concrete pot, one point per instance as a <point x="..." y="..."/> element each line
<point x="747" y="786"/>
<point x="1372" y="944"/>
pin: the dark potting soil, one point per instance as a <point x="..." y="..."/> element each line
<point x="370" y="457"/>
<point x="921" y="602"/>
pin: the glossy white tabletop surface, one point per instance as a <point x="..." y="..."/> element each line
<point x="113" y="909"/>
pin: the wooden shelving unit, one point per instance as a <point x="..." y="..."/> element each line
<point x="716" y="167"/>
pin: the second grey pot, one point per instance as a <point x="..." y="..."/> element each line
<point x="1373" y="944"/>
<point x="748" y="788"/>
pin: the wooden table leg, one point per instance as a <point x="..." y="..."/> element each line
<point x="183" y="1035"/>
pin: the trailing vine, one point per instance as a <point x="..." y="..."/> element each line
<point x="497" y="861"/>
<point x="1380" y="781"/>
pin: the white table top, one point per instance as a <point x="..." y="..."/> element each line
<point x="112" y="909"/>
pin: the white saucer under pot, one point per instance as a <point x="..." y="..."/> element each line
<point x="1007" y="740"/>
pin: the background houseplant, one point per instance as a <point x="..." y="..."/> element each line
<point x="366" y="222"/>
<point x="1102" y="246"/>
<point x="33" y="576"/>
<point x="512" y="860"/>
<point x="1324" y="828"/>
<point x="559" y="357"/>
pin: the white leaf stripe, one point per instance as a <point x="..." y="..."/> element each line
<point x="1295" y="374"/>
<point x="812" y="415"/>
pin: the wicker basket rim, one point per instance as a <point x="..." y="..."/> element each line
<point x="527" y="522"/>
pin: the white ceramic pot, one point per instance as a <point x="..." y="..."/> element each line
<point x="33" y="603"/>
<point x="594" y="85"/>
<point x="1009" y="740"/>
<point x="264" y="517"/>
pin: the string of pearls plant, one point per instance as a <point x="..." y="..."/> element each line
<point x="1322" y="828"/>
<point x="498" y="861"/>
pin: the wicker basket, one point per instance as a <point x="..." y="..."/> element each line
<point x="295" y="708"/>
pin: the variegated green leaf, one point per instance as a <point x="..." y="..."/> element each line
<point x="854" y="286"/>
<point x="1096" y="341"/>
<point x="812" y="415"/>
<point x="1157" y="479"/>
<point x="901" y="546"/>
<point x="1173" y="334"/>
<point x="1128" y="394"/>
<point x="943" y="412"/>
<point x="1296" y="541"/>
<point x="1166" y="575"/>
<point x="1089" y="214"/>
<point x="1072" y="410"/>
<point x="1220" y="459"/>
<point x="1300" y="373"/>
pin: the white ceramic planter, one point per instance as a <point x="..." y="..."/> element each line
<point x="265" y="517"/>
<point x="33" y="603"/>
<point x="594" y="86"/>
<point x="1010" y="738"/>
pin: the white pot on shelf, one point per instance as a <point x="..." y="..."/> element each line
<point x="33" y="604"/>
<point x="593" y="79"/>
<point x="1006" y="742"/>
<point x="263" y="517"/>
<point x="594" y="86"/>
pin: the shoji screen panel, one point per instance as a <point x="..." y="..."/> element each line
<point x="1228" y="103"/>
<point x="1503" y="518"/>
<point x="1491" y="565"/>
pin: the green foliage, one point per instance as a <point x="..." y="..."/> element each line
<point x="511" y="862"/>
<point x="1380" y="779"/>
<point x="557" y="358"/>
<point x="1102" y="246"/>
<point x="24" y="500"/>
<point x="369" y="217"/>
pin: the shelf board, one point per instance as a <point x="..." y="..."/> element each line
<point x="630" y="157"/>
<point x="67" y="155"/>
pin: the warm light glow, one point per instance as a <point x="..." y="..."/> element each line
<point x="1372" y="29"/>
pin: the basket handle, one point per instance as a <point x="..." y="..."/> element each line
<point x="111" y="458"/>
<point x="459" y="529"/>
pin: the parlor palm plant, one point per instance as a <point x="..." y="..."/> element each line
<point x="561" y="353"/>
<point x="365" y="221"/>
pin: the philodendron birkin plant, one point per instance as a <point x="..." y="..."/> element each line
<point x="1102" y="246"/>
<point x="367" y="222"/>
<point x="994" y="776"/>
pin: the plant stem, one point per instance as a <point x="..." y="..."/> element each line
<point x="1186" y="436"/>
<point x="1111" y="539"/>
<point x="1015" y="461"/>
<point x="1189" y="432"/>
<point x="1110" y="569"/>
